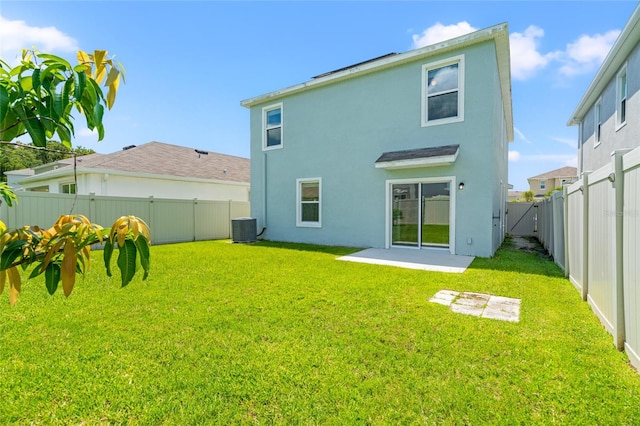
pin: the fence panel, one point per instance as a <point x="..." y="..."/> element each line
<point x="575" y="234"/>
<point x="601" y="231"/>
<point x="557" y="208"/>
<point x="631" y="254"/>
<point x="169" y="220"/>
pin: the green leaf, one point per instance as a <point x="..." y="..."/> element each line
<point x="142" y="244"/>
<point x="106" y="254"/>
<point x="81" y="84"/>
<point x="4" y="103"/>
<point x="52" y="277"/>
<point x="98" y="112"/>
<point x="64" y="135"/>
<point x="10" y="253"/>
<point x="11" y="127"/>
<point x="36" y="271"/>
<point x="35" y="77"/>
<point x="127" y="261"/>
<point x="53" y="59"/>
<point x="33" y="126"/>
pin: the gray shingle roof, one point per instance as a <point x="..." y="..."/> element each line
<point x="159" y="158"/>
<point x="563" y="172"/>
<point x="412" y="154"/>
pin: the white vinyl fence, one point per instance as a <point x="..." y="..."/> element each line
<point x="170" y="221"/>
<point x="597" y="220"/>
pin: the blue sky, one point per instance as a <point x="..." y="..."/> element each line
<point x="190" y="63"/>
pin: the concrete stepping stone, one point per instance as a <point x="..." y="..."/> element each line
<point x="480" y="305"/>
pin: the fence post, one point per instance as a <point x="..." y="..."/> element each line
<point x="585" y="236"/>
<point x="618" y="184"/>
<point x="565" y="226"/>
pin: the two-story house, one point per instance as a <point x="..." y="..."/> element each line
<point x="406" y="150"/>
<point x="543" y="183"/>
<point x="608" y="114"/>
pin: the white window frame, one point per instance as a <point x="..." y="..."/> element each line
<point x="620" y="99"/>
<point x="543" y="184"/>
<point x="299" y="221"/>
<point x="425" y="104"/>
<point x="69" y="184"/>
<point x="265" y="127"/>
<point x="597" y="123"/>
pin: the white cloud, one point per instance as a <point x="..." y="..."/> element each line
<point x="16" y="35"/>
<point x="514" y="156"/>
<point x="438" y="32"/>
<point x="573" y="143"/>
<point x="84" y="132"/>
<point x="587" y="53"/>
<point x="526" y="60"/>
<point x="521" y="135"/>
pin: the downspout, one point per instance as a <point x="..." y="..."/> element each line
<point x="264" y="192"/>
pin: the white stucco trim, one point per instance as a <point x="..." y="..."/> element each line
<point x="452" y="206"/>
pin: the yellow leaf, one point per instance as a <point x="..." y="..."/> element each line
<point x="98" y="57"/>
<point x="101" y="73"/>
<point x="52" y="250"/>
<point x="68" y="268"/>
<point x="3" y="227"/>
<point x="15" y="285"/>
<point x="83" y="57"/>
<point x="86" y="252"/>
<point x="3" y="277"/>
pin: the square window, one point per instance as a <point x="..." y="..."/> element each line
<point x="308" y="202"/>
<point x="272" y="125"/>
<point x="68" y="188"/>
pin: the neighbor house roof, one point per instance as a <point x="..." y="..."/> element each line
<point x="563" y="172"/>
<point x="623" y="46"/>
<point x="498" y="33"/>
<point x="156" y="159"/>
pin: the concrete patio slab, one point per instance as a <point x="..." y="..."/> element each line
<point x="480" y="305"/>
<point x="423" y="259"/>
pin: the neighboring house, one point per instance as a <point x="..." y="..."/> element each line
<point x="608" y="114"/>
<point x="362" y="155"/>
<point x="153" y="169"/>
<point x="540" y="185"/>
<point x="515" y="196"/>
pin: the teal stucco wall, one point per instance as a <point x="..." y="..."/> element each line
<point x="337" y="131"/>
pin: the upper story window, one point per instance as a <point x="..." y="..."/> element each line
<point x="621" y="97"/>
<point x="272" y="127"/>
<point x="308" y="207"/>
<point x="597" y="123"/>
<point x="443" y="91"/>
<point x="543" y="184"/>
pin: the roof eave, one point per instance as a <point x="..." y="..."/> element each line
<point x="624" y="44"/>
<point x="496" y="32"/>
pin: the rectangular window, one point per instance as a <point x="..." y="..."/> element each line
<point x="598" y="123"/>
<point x="309" y="206"/>
<point x="272" y="125"/>
<point x="68" y="188"/>
<point x="443" y="92"/>
<point x="621" y="95"/>
<point x="543" y="184"/>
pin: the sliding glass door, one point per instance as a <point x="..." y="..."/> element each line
<point x="420" y="214"/>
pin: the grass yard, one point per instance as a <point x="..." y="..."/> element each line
<point x="434" y="234"/>
<point x="281" y="333"/>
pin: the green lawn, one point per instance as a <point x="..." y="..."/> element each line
<point x="284" y="334"/>
<point x="433" y="234"/>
